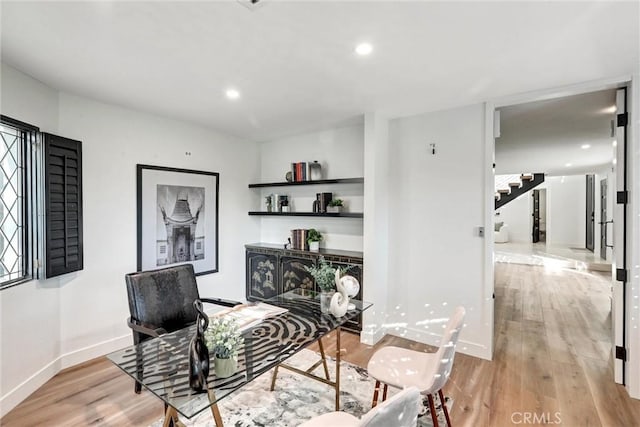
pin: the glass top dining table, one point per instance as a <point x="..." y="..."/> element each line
<point x="161" y="364"/>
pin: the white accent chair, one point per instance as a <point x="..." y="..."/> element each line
<point x="429" y="372"/>
<point x="502" y="235"/>
<point x="400" y="410"/>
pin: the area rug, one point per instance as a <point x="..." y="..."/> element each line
<point x="297" y="399"/>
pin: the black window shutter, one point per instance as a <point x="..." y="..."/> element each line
<point x="63" y="201"/>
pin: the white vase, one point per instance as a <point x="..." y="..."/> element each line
<point x="225" y="367"/>
<point x="314" y="246"/>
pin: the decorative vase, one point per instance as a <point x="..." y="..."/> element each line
<point x="325" y="301"/>
<point x="323" y="201"/>
<point x="315" y="171"/>
<point x="340" y="300"/>
<point x="334" y="209"/>
<point x="314" y="246"/>
<point x="198" y="352"/>
<point x="225" y="367"/>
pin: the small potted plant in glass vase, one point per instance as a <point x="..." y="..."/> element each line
<point x="335" y="206"/>
<point x="223" y="339"/>
<point x="313" y="238"/>
<point x="324" y="275"/>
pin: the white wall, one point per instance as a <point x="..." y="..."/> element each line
<point x="75" y="317"/>
<point x="566" y="202"/>
<point x="30" y="312"/>
<point x="377" y="276"/>
<point x="436" y="206"/>
<point x="516" y="215"/>
<point x="340" y="151"/>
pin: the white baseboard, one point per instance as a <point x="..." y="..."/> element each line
<point x="13" y="398"/>
<point x="371" y="336"/>
<point x="96" y="350"/>
<point x="465" y="347"/>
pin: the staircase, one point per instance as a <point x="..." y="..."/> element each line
<point x="525" y="183"/>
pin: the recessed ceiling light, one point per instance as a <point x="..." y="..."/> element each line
<point x="232" y="94"/>
<point x="568" y="165"/>
<point x="614" y="143"/>
<point x="364" y="49"/>
<point x="585" y="146"/>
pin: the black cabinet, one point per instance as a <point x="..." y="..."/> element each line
<point x="293" y="274"/>
<point x="272" y="270"/>
<point x="262" y="276"/>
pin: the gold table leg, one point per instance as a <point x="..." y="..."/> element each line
<point x="274" y="377"/>
<point x="214" y="408"/>
<point x="171" y="415"/>
<point x="338" y="368"/>
<point x="323" y="361"/>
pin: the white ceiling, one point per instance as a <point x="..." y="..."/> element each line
<point x="293" y="62"/>
<point x="547" y="136"/>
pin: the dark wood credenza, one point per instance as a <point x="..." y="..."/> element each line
<point x="272" y="270"/>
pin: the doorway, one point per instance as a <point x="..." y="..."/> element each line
<point x="535" y="235"/>
<point x="590" y="219"/>
<point x="591" y="208"/>
<point x="604" y="221"/>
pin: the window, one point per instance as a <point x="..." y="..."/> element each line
<point x="40" y="203"/>
<point x="18" y="223"/>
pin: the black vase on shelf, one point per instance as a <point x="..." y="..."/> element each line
<point x="198" y="352"/>
<point x="323" y="200"/>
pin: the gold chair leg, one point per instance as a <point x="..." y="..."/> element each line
<point x="432" y="407"/>
<point x="444" y="408"/>
<point x="375" y="394"/>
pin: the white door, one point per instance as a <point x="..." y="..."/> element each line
<point x="618" y="312"/>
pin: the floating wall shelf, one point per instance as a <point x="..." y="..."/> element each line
<point x="314" y="214"/>
<point x="322" y="181"/>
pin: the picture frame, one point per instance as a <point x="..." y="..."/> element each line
<point x="177" y="218"/>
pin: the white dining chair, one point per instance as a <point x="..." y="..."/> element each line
<point x="428" y="372"/>
<point x="401" y="410"/>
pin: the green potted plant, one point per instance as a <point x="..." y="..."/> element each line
<point x="324" y="274"/>
<point x="313" y="238"/>
<point x="335" y="206"/>
<point x="224" y="340"/>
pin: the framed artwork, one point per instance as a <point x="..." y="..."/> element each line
<point x="177" y="218"/>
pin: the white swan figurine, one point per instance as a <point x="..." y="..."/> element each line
<point x="340" y="300"/>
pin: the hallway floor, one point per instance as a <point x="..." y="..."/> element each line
<point x="550" y="256"/>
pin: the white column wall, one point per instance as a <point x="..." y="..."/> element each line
<point x="48" y="325"/>
<point x="437" y="204"/>
<point x="379" y="280"/>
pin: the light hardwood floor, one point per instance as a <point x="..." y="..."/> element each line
<point x="552" y="360"/>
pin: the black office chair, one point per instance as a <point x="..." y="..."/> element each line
<point x="161" y="301"/>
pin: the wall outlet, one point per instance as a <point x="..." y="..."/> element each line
<point x="480" y="231"/>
